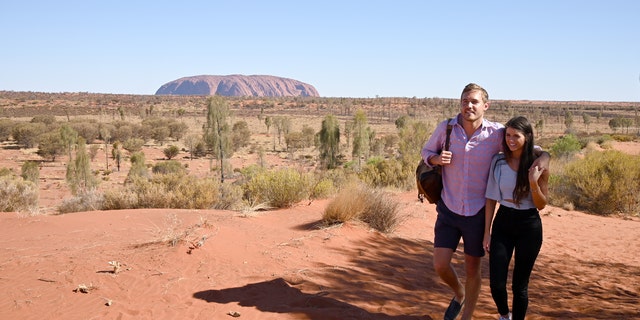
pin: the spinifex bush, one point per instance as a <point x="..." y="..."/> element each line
<point x="17" y="194"/>
<point x="280" y="189"/>
<point x="602" y="183"/>
<point x="371" y="206"/>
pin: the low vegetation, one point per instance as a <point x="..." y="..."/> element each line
<point x="375" y="142"/>
<point x="374" y="207"/>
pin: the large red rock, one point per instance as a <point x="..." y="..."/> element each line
<point x="238" y="86"/>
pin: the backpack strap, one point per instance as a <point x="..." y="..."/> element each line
<point x="449" y="128"/>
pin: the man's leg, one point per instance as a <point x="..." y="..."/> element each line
<point x="472" y="284"/>
<point x="443" y="267"/>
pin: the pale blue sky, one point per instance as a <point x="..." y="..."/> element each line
<point x="538" y="50"/>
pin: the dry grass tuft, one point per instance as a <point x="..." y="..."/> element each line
<point x="372" y="206"/>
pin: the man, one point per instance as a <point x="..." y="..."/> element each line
<point x="465" y="169"/>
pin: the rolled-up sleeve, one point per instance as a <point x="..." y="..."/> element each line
<point x="433" y="147"/>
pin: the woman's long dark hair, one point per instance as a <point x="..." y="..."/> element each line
<point x="522" y="188"/>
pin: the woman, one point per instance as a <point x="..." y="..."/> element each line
<point x="517" y="227"/>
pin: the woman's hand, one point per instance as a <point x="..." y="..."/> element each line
<point x="486" y="243"/>
<point x="534" y="173"/>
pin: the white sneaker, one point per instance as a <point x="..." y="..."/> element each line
<point x="508" y="317"/>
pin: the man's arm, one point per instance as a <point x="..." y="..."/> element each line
<point x="542" y="159"/>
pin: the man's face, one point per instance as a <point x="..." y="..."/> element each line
<point x="472" y="106"/>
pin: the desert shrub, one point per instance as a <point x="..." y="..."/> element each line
<point x="171" y="151"/>
<point x="565" y="146"/>
<point x="6" y="127"/>
<point x="323" y="188"/>
<point x="46" y="119"/>
<point x="26" y="134"/>
<point x="280" y="188"/>
<point x="86" y="128"/>
<point x="381" y="212"/>
<point x="84" y="201"/>
<point x="605" y="142"/>
<point x="50" y="145"/>
<point x="240" y="135"/>
<point x="17" y="195"/>
<point x="138" y="167"/>
<point x="133" y="144"/>
<point x="166" y="167"/>
<point x="383" y="173"/>
<point x="348" y="205"/>
<point x="93" y="151"/>
<point x="165" y="191"/>
<point x="177" y="130"/>
<point x="623" y="137"/>
<point x="122" y="133"/>
<point x="5" y="172"/>
<point x="230" y="197"/>
<point x="371" y="206"/>
<point x="196" y="193"/>
<point x="340" y="177"/>
<point x="30" y="171"/>
<point x="602" y="183"/>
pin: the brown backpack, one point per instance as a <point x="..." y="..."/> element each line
<point x="429" y="179"/>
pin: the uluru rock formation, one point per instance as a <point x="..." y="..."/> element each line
<point x="238" y="86"/>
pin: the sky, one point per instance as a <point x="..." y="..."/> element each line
<point x="563" y="50"/>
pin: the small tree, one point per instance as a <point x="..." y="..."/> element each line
<point x="240" y="135"/>
<point x="268" y="122"/>
<point x="329" y="139"/>
<point x="217" y="135"/>
<point x="138" y="167"/>
<point x="360" y="137"/>
<point x="31" y="171"/>
<point x="50" y="145"/>
<point x="171" y="151"/>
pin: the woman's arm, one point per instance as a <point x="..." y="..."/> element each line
<point x="489" y="210"/>
<point x="539" y="185"/>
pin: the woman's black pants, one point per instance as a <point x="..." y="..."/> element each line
<point x="518" y="231"/>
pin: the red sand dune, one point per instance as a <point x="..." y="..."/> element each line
<point x="280" y="265"/>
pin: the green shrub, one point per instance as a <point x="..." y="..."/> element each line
<point x="602" y="183"/>
<point x="166" y="167"/>
<point x="173" y="190"/>
<point x="280" y="189"/>
<point x="566" y="145"/>
<point x="17" y="195"/>
<point x="386" y="173"/>
<point x="133" y="144"/>
<point x="5" y="172"/>
<point x="623" y="137"/>
<point x="323" y="188"/>
<point x="31" y="172"/>
<point x="171" y="151"/>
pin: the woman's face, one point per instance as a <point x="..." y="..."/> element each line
<point x="515" y="139"/>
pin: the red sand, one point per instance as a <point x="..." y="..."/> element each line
<point x="280" y="265"/>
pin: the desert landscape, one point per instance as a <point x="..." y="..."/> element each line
<point x="278" y="264"/>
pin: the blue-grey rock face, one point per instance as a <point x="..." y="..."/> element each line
<point x="238" y="86"/>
